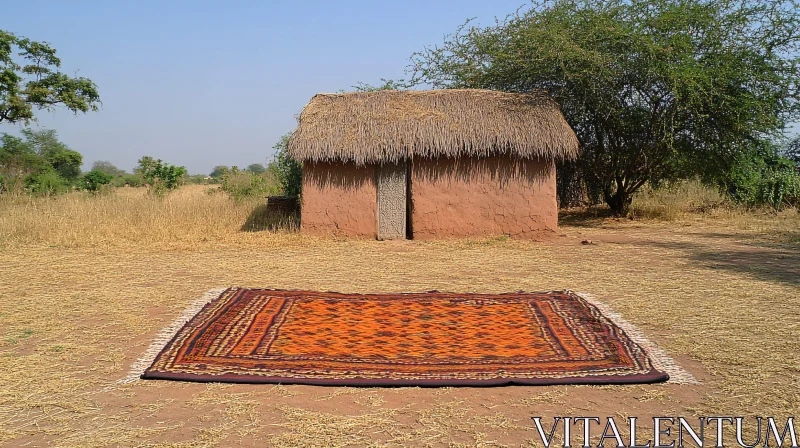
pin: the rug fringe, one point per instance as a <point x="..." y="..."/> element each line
<point x="661" y="360"/>
<point x="166" y="335"/>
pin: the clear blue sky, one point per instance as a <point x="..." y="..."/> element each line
<point x="200" y="83"/>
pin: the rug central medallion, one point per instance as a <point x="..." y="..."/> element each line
<point x="430" y="338"/>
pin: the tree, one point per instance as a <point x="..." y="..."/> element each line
<point x="17" y="161"/>
<point x="95" y="179"/>
<point x="793" y="151"/>
<point x="652" y="88"/>
<point x="218" y="171"/>
<point x="287" y="171"/>
<point x="29" y="79"/>
<point x="66" y="162"/>
<point x="107" y="167"/>
<point x="161" y="176"/>
<point x="255" y="168"/>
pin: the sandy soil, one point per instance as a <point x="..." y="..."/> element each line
<point x="722" y="301"/>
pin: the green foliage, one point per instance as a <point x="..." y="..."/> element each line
<point x="17" y="161"/>
<point x="46" y="182"/>
<point x="255" y="168"/>
<point x="218" y="171"/>
<point x="649" y="86"/>
<point x="286" y="171"/>
<point x="388" y="84"/>
<point x="107" y="167"/>
<point x="46" y="144"/>
<point x="243" y="184"/>
<point x="131" y="180"/>
<point x="793" y="151"/>
<point x="161" y="177"/>
<point x="40" y="163"/>
<point x="94" y="180"/>
<point x="29" y="78"/>
<point x="763" y="177"/>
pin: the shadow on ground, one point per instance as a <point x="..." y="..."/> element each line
<point x="585" y="216"/>
<point x="263" y="218"/>
<point x="759" y="261"/>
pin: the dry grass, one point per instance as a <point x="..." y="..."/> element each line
<point x="85" y="283"/>
<point x="193" y="215"/>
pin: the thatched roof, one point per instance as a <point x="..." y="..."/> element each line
<point x="391" y="125"/>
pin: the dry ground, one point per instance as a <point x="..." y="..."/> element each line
<point x="86" y="283"/>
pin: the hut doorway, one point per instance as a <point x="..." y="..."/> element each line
<point x="392" y="186"/>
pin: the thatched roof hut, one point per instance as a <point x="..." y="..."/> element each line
<point x="424" y="164"/>
<point x="392" y="125"/>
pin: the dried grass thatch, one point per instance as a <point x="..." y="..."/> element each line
<point x="391" y="125"/>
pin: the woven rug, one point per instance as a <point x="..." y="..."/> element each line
<point x="412" y="339"/>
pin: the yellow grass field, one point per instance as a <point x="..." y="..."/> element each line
<point x="87" y="282"/>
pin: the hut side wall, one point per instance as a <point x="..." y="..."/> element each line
<point x="338" y="199"/>
<point x="483" y="196"/>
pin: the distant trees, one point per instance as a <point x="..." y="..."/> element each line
<point x="46" y="144"/>
<point x="255" y="168"/>
<point x="218" y="171"/>
<point x="29" y="79"/>
<point x="107" y="167"/>
<point x="39" y="162"/>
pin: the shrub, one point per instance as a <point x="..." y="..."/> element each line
<point x="46" y="183"/>
<point x="763" y="178"/>
<point x="286" y="171"/>
<point x="94" y="180"/>
<point x="242" y="184"/>
<point x="161" y="177"/>
<point x="131" y="180"/>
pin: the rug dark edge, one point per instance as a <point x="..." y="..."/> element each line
<point x="654" y="376"/>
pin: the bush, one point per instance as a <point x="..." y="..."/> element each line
<point x="241" y="184"/>
<point x="94" y="180"/>
<point x="131" y="180"/>
<point x="286" y="171"/>
<point x="46" y="183"/>
<point x="161" y="177"/>
<point x="763" y="178"/>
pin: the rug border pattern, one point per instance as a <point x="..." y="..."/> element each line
<point x="661" y="362"/>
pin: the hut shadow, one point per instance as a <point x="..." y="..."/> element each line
<point x="466" y="170"/>
<point x="264" y="218"/>
<point x="346" y="176"/>
<point x="494" y="168"/>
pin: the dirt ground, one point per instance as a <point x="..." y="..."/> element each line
<point x="722" y="300"/>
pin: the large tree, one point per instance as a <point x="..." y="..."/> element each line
<point x="653" y="88"/>
<point x="30" y="80"/>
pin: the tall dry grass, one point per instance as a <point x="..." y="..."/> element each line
<point x="692" y="201"/>
<point x="674" y="201"/>
<point x="132" y="217"/>
<point x="191" y="217"/>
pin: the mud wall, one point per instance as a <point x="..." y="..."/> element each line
<point x="483" y="196"/>
<point x="338" y="199"/>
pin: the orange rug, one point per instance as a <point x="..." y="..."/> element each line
<point x="414" y="339"/>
